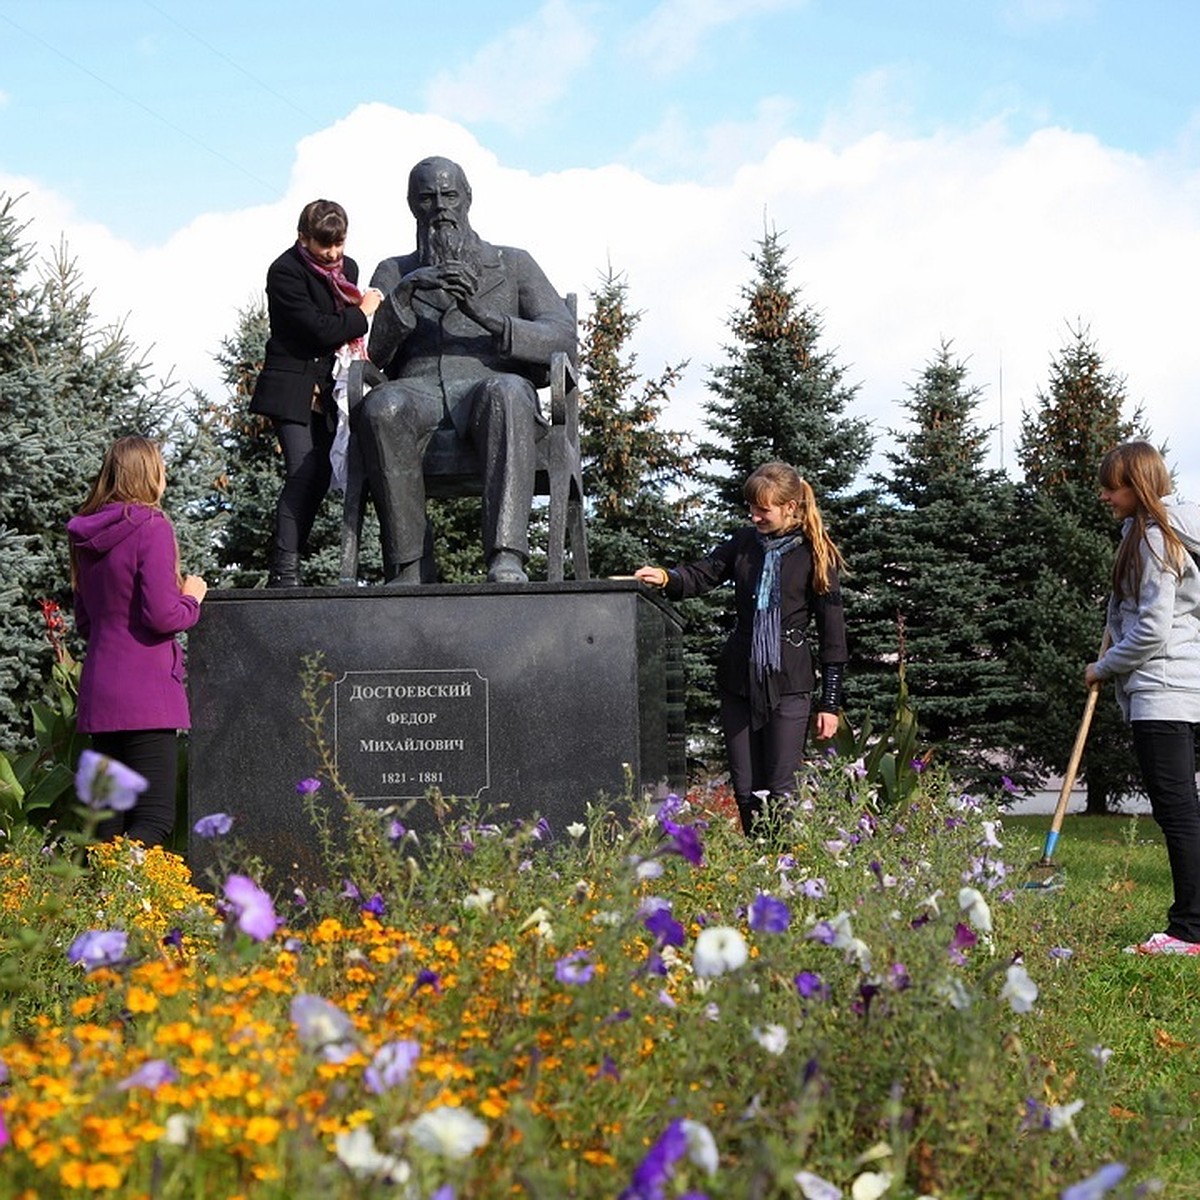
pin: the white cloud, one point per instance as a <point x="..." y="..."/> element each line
<point x="880" y="100"/>
<point x="516" y="79"/>
<point x="899" y="241"/>
<point x="1022" y="15"/>
<point x="671" y="35"/>
<point x="673" y="149"/>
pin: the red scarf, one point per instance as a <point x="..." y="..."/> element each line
<point x="343" y="290"/>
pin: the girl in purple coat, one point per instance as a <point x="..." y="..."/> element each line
<point x="130" y="602"/>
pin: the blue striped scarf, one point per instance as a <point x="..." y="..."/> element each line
<point x="765" y="652"/>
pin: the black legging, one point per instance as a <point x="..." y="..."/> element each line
<point x="306" y="462"/>
<point x="763" y="762"/>
<point x="1166" y="753"/>
<point x="152" y="753"/>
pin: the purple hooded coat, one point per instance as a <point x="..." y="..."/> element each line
<point x="129" y="607"/>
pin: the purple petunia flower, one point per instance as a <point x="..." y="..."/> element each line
<point x="306" y="787"/>
<point x="964" y="936"/>
<point x="396" y="832"/>
<point x="822" y="932"/>
<point x="153" y="1073"/>
<point x="322" y="1026"/>
<point x="391" y="1065"/>
<point x="814" y="889"/>
<point x="684" y="841"/>
<point x="654" y="1172"/>
<point x="214" y="825"/>
<point x="671" y="804"/>
<point x="104" y="783"/>
<point x="98" y="948"/>
<point x="375" y="906"/>
<point x="173" y="938"/>
<point x="769" y="914"/>
<point x="1098" y="1184"/>
<point x="664" y="927"/>
<point x="575" y="968"/>
<point x="867" y="992"/>
<point x="607" y="1068"/>
<point x="808" y="984"/>
<point x="898" y="977"/>
<point x="427" y="979"/>
<point x="255" y="912"/>
<point x="541" y="831"/>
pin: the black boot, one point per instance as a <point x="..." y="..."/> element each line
<point x="285" y="569"/>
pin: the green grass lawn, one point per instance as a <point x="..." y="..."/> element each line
<point x="1117" y="887"/>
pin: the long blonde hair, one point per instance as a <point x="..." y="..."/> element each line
<point x="1141" y="468"/>
<point x="133" y="472"/>
<point x="780" y="483"/>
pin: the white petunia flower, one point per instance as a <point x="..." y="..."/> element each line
<point x="480" y="900"/>
<point x="719" y="948"/>
<point x="870" y="1185"/>
<point x="356" y="1150"/>
<point x="452" y="1133"/>
<point x="701" y="1146"/>
<point x="843" y="935"/>
<point x="772" y="1038"/>
<point x="813" y="1187"/>
<point x="539" y="922"/>
<point x="1062" y="1116"/>
<point x="971" y="901"/>
<point x="954" y="993"/>
<point x="1019" y="990"/>
<point x="576" y="830"/>
<point x="177" y="1129"/>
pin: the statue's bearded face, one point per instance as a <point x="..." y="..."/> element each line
<point x="440" y="200"/>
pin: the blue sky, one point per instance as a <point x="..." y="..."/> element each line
<point x="982" y="170"/>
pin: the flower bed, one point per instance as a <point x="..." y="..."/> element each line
<point x="646" y="1009"/>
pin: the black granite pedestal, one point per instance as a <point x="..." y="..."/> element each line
<point x="530" y="700"/>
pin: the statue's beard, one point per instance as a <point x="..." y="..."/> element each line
<point x="447" y="243"/>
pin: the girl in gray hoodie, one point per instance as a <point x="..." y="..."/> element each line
<point x="1154" y="662"/>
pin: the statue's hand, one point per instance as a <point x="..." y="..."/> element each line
<point x="458" y="279"/>
<point x="422" y="279"/>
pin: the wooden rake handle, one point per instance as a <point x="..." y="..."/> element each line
<point x="1081" y="736"/>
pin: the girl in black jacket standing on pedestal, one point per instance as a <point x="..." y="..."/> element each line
<point x="784" y="569"/>
<point x="314" y="307"/>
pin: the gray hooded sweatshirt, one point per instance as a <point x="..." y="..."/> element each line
<point x="1154" y="659"/>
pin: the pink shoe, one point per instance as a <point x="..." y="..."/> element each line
<point x="1164" y="943"/>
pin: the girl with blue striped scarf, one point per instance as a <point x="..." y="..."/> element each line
<point x="785" y="572"/>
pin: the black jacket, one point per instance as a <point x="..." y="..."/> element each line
<point x="308" y="323"/>
<point x="740" y="559"/>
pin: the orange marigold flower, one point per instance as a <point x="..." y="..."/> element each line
<point x="42" y="1154"/>
<point x="262" y="1130"/>
<point x="139" y="1000"/>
